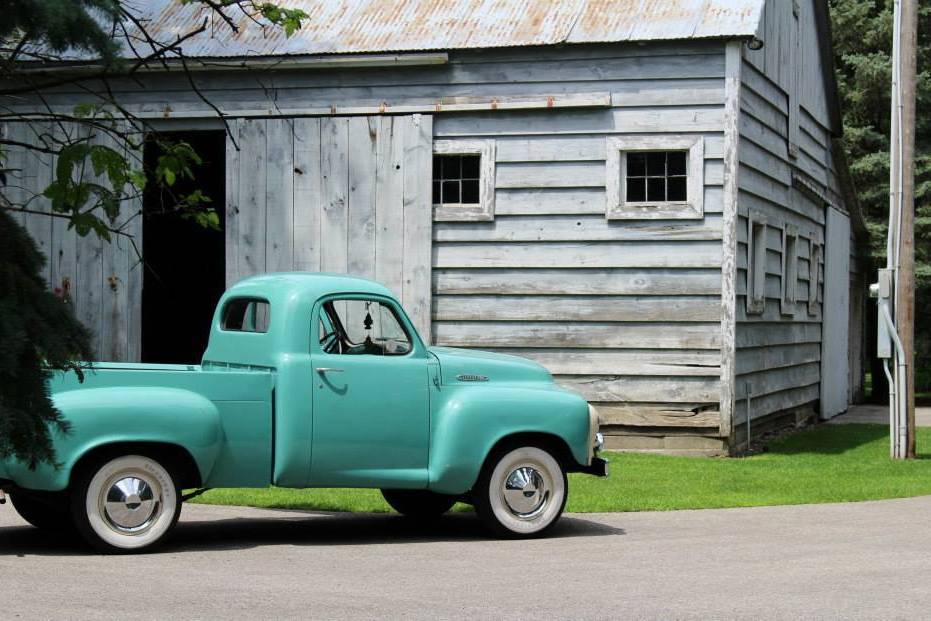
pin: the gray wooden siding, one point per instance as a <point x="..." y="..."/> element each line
<point x="778" y="354"/>
<point x="627" y="313"/>
<point x="102" y="281"/>
<point x="337" y="194"/>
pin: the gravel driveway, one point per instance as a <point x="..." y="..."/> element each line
<point x="865" y="560"/>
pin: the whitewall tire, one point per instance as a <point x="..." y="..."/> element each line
<point x="521" y="492"/>
<point x="125" y="504"/>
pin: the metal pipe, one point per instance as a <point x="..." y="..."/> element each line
<point x="899" y="412"/>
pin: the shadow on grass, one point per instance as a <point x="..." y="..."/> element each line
<point x="838" y="439"/>
<point x="296" y="529"/>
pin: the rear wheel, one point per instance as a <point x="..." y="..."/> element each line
<point x="521" y="492"/>
<point x="421" y="504"/>
<point x="45" y="510"/>
<point x="125" y="504"/>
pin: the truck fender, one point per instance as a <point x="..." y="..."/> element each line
<point x="105" y="416"/>
<point x="473" y="420"/>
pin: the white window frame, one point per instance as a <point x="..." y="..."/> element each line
<point x="756" y="263"/>
<point x="815" y="273"/>
<point x="458" y="212"/>
<point x="789" y="269"/>
<point x="616" y="184"/>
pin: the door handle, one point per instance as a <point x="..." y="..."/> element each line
<point x="322" y="370"/>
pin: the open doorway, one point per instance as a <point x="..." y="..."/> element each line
<point x="185" y="271"/>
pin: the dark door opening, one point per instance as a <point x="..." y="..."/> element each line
<point x="185" y="263"/>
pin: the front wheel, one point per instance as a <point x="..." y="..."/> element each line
<point x="420" y="504"/>
<point x="125" y="504"/>
<point x="521" y="492"/>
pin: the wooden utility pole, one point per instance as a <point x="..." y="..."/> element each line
<point x="905" y="281"/>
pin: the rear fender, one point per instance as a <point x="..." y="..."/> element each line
<point x="473" y="419"/>
<point x="104" y="416"/>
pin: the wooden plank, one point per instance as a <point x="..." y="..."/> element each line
<point x="732" y="87"/>
<point x="550" y="201"/>
<point x="573" y="148"/>
<point x="279" y="195"/>
<point x="134" y="278"/>
<point x="363" y="135"/>
<point x="752" y="360"/>
<point x="115" y="273"/>
<point x="14" y="190"/>
<point x="418" y="220"/>
<point x="231" y="223"/>
<point x="389" y="204"/>
<point x="633" y="120"/>
<point x="596" y="335"/>
<point x="38" y="173"/>
<point x="577" y="308"/>
<point x="577" y="282"/>
<point x="665" y="389"/>
<point x="651" y="362"/>
<point x="308" y="192"/>
<point x="781" y="401"/>
<point x="577" y="228"/>
<point x="778" y="333"/>
<point x="334" y="221"/>
<point x="777" y="380"/>
<point x="550" y="175"/>
<point x="579" y="255"/>
<point x="657" y="415"/>
<point x="63" y="251"/>
<point x="252" y="198"/>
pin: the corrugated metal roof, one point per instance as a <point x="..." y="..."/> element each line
<point x="358" y="26"/>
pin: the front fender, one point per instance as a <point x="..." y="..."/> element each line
<point x="103" y="416"/>
<point x="472" y="419"/>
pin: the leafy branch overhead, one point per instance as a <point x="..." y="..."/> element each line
<point x="96" y="145"/>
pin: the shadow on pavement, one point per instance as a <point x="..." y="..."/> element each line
<point x="344" y="529"/>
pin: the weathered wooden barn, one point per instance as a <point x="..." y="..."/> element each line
<point x="646" y="197"/>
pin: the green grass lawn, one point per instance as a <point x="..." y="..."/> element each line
<point x="828" y="463"/>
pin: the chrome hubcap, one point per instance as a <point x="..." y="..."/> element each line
<point x="526" y="492"/>
<point x="131" y="504"/>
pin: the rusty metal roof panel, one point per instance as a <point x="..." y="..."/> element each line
<point x="364" y="26"/>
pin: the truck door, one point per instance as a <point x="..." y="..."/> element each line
<point x="371" y="404"/>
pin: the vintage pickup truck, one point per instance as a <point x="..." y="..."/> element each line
<point x="309" y="380"/>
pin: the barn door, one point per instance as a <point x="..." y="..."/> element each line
<point x="835" y="315"/>
<point x="349" y="195"/>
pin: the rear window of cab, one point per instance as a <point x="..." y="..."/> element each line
<point x="245" y="315"/>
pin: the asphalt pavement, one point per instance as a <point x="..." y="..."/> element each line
<point x="866" y="560"/>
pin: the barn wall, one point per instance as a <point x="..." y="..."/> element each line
<point x="626" y="312"/>
<point x="787" y="174"/>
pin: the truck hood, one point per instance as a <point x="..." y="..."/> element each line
<point x="458" y="366"/>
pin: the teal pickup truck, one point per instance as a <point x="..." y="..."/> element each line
<point x="309" y="380"/>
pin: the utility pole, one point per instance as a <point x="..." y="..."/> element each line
<point x="905" y="278"/>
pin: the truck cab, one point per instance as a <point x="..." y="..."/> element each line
<point x="310" y="380"/>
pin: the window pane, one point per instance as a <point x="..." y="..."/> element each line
<point x="470" y="191"/>
<point x="636" y="164"/>
<point x="470" y="166"/>
<point x="656" y="189"/>
<point x="367" y="327"/>
<point x="676" y="189"/>
<point x="437" y="166"/>
<point x="675" y="163"/>
<point x="246" y="315"/>
<point x="451" y="167"/>
<point x="636" y="190"/>
<point x="451" y="192"/>
<point x="656" y="164"/>
<point x="437" y="199"/>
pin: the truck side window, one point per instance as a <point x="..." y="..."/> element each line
<point x="246" y="315"/>
<point x="360" y="327"/>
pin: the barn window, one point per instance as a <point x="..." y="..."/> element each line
<point x="789" y="268"/>
<point x="814" y="275"/>
<point x="463" y="180"/>
<point x="655" y="177"/>
<point x="756" y="263"/>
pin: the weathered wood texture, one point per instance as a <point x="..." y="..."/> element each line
<point x="338" y="194"/>
<point x="787" y="173"/>
<point x="103" y="281"/>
